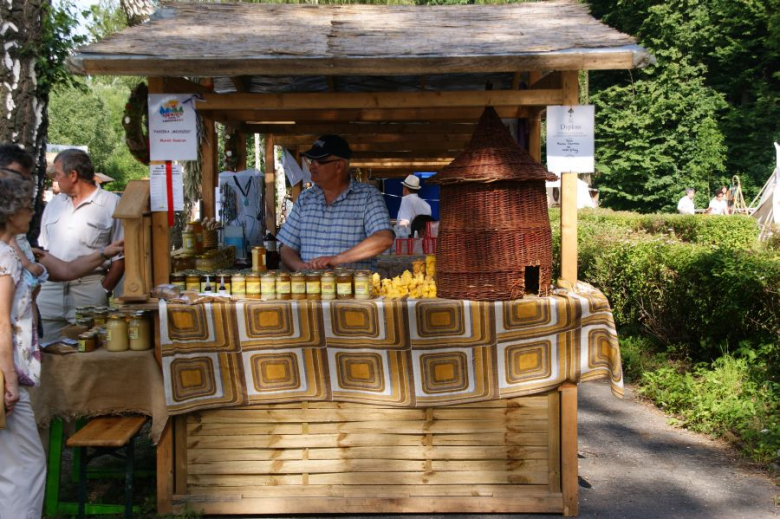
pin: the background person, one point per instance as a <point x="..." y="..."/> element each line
<point x="685" y="205"/>
<point x="718" y="205"/>
<point x="411" y="203"/>
<point x="77" y="222"/>
<point x="22" y="459"/>
<point x="339" y="221"/>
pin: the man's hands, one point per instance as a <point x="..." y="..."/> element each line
<point x="114" y="249"/>
<point x="323" y="262"/>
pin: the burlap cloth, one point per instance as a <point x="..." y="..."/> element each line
<point x="101" y="383"/>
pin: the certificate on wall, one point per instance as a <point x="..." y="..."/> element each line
<point x="570" y="139"/>
<point x="173" y="127"/>
<point x="159" y="184"/>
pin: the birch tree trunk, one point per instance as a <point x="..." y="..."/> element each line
<point x="137" y="11"/>
<point x="23" y="117"/>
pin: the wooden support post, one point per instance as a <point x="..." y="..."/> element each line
<point x="569" y="462"/>
<point x="569" y="194"/>
<point x="270" y="181"/>
<point x="161" y="243"/>
<point x="209" y="163"/>
<point x="535" y="134"/>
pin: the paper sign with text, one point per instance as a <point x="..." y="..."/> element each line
<point x="158" y="187"/>
<point x="173" y="127"/>
<point x="570" y="139"/>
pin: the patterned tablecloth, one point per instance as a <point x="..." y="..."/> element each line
<point x="389" y="352"/>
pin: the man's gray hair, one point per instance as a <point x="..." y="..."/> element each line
<point x="77" y="160"/>
<point x="689" y="190"/>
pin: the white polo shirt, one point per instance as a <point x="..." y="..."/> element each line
<point x="68" y="232"/>
<point x="411" y="206"/>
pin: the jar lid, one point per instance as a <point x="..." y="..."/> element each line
<point x="116" y="316"/>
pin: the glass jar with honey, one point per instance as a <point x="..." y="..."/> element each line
<point x="344" y="284"/>
<point x="116" y="333"/>
<point x="253" y="286"/>
<point x="313" y="285"/>
<point x="328" y="286"/>
<point x="139" y="332"/>
<point x="238" y="285"/>
<point x="283" y="285"/>
<point x="268" y="286"/>
<point x="298" y="285"/>
<point x="362" y="284"/>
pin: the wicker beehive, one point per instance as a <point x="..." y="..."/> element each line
<point x="495" y="238"/>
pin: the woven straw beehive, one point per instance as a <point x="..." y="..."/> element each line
<point x="495" y="236"/>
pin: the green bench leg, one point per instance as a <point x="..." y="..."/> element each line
<point x="51" y="501"/>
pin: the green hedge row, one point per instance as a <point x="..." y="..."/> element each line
<point x="699" y="281"/>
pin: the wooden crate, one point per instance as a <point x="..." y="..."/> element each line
<point x="501" y="456"/>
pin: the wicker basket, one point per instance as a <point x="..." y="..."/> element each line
<point x="494" y="237"/>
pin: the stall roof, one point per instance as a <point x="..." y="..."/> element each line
<point x="275" y="45"/>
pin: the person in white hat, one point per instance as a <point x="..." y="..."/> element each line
<point x="411" y="204"/>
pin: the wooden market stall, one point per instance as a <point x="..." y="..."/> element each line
<point x="405" y="85"/>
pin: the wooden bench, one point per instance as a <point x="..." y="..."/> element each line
<point x="107" y="435"/>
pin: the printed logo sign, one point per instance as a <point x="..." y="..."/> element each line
<point x="173" y="133"/>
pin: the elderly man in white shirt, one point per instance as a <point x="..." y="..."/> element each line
<point x="76" y="222"/>
<point x="685" y="205"/>
<point x="411" y="204"/>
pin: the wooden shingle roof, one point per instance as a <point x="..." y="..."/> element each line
<point x="273" y="40"/>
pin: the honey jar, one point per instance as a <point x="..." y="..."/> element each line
<point x="189" y="242"/>
<point x="192" y="282"/>
<point x="138" y="332"/>
<point x="313" y="285"/>
<point x="197" y="230"/>
<point x="344" y="285"/>
<point x="116" y="333"/>
<point x="225" y="285"/>
<point x="328" y="286"/>
<point x="283" y="285"/>
<point x="87" y="341"/>
<point x="362" y="285"/>
<point x="99" y="316"/>
<point x="238" y="285"/>
<point x="253" y="286"/>
<point x="298" y="285"/>
<point x="258" y="259"/>
<point x="205" y="283"/>
<point x="179" y="279"/>
<point x="268" y="286"/>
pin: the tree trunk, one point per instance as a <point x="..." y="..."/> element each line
<point x="137" y="11"/>
<point x="24" y="117"/>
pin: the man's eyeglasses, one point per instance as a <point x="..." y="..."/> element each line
<point x="319" y="162"/>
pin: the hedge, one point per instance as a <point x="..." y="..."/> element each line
<point x="700" y="281"/>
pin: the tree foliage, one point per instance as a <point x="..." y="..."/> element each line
<point x="726" y="49"/>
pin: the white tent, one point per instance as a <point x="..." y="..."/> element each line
<point x="583" y="194"/>
<point x="766" y="206"/>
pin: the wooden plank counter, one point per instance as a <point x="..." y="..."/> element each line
<point x="500" y="456"/>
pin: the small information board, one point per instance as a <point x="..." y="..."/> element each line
<point x="570" y="139"/>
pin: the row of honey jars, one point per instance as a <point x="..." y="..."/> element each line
<point x="120" y="332"/>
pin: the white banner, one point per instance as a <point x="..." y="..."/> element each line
<point x="158" y="187"/>
<point x="173" y="127"/>
<point x="570" y="139"/>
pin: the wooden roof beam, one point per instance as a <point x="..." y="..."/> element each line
<point x="443" y="139"/>
<point x="361" y="129"/>
<point x="380" y="100"/>
<point x="365" y="115"/>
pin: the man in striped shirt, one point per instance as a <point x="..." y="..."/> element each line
<point x="339" y="221"/>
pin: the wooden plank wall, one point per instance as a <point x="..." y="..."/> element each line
<point x="497" y="456"/>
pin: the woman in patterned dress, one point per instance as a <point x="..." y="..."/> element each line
<point x="23" y="466"/>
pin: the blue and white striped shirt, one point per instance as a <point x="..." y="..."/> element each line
<point x="315" y="229"/>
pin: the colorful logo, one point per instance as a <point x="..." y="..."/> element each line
<point x="172" y="110"/>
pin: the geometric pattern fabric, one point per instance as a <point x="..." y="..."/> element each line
<point x="393" y="352"/>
